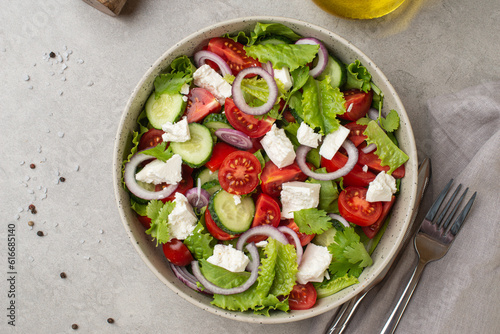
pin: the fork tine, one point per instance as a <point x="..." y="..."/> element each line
<point x="435" y="207"/>
<point x="455" y="208"/>
<point x="461" y="218"/>
<point x="447" y="206"/>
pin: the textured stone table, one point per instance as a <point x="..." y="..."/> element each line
<point x="61" y="114"/>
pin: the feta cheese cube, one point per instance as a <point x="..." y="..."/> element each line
<point x="229" y="258"/>
<point x="314" y="264"/>
<point x="298" y="195"/>
<point x="306" y="136"/>
<point x="237" y="199"/>
<point x="283" y="74"/>
<point x="176" y="132"/>
<point x="332" y="142"/>
<point x="182" y="220"/>
<point x="278" y="147"/>
<point x="206" y="77"/>
<point x="157" y="171"/>
<point x="382" y="188"/>
<point x="185" y="89"/>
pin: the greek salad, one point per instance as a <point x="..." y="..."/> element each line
<point x="265" y="169"/>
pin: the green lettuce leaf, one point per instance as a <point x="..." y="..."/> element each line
<point x="312" y="221"/>
<point x="389" y="154"/>
<point x="200" y="243"/>
<point x="358" y="77"/>
<point x="285" y="270"/>
<point x="140" y="209"/>
<point x="349" y="254"/>
<point x="334" y="285"/>
<point x="159" y="152"/>
<point x="283" y="55"/>
<point x="158" y="212"/>
<point x="328" y="193"/>
<point x="171" y="83"/>
<point x="264" y="30"/>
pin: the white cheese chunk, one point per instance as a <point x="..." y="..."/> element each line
<point x="332" y="142"/>
<point x="176" y="132"/>
<point x="278" y="147"/>
<point x="237" y="199"/>
<point x="185" y="89"/>
<point x="314" y="264"/>
<point x="157" y="171"/>
<point x="182" y="220"/>
<point x="382" y="188"/>
<point x="283" y="74"/>
<point x="306" y="136"/>
<point x="298" y="195"/>
<point x="206" y="77"/>
<point x="229" y="258"/>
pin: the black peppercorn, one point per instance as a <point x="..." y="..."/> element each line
<point x="74" y="326"/>
<point x="39" y="233"/>
<point x="32" y="166"/>
<point x="111" y="320"/>
<point x="62" y="179"/>
<point x="52" y="55"/>
<point x="62" y="275"/>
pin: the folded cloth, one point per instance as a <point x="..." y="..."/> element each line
<point x="460" y="292"/>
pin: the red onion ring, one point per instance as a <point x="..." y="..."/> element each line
<point x="340" y="219"/>
<point x="235" y="138"/>
<point x="268" y="67"/>
<point x="221" y="291"/>
<point x="369" y="148"/>
<point x="197" y="200"/>
<point x="296" y="240"/>
<point x="201" y="56"/>
<point x="187" y="278"/>
<point x="322" y="55"/>
<point x="135" y="188"/>
<point x="352" y="152"/>
<point x="239" y="99"/>
<point x="267" y="230"/>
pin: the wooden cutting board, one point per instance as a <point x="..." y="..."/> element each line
<point x="110" y="7"/>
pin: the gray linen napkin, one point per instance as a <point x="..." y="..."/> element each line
<point x="461" y="292"/>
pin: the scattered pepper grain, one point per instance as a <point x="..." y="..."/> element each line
<point x="62" y="179"/>
<point x="74" y="326"/>
<point x="63" y="275"/>
<point x="111" y="320"/>
<point x="31" y="223"/>
<point x="39" y="233"/>
<point x="52" y="55"/>
<point x="32" y="166"/>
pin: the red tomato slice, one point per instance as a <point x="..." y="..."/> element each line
<point x="356" y="177"/>
<point x="233" y="54"/>
<point x="273" y="177"/>
<point x="354" y="207"/>
<point x="239" y="173"/>
<point x="185" y="184"/>
<point x="247" y="124"/>
<point x="267" y="212"/>
<point x="302" y="297"/>
<point x="373" y="162"/>
<point x="149" y="139"/>
<point x="200" y="103"/>
<point x="145" y="221"/>
<point x="356" y="133"/>
<point x="358" y="103"/>
<point x="215" y="230"/>
<point x="372" y="230"/>
<point x="287" y="115"/>
<point x="304" y="238"/>
<point x="219" y="153"/>
<point x="177" y="253"/>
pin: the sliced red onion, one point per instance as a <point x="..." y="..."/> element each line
<point x="135" y="188"/>
<point x="352" y="152"/>
<point x="373" y="114"/>
<point x="266" y="230"/>
<point x="340" y="219"/>
<point x="369" y="148"/>
<point x="198" y="198"/>
<point x="239" y="99"/>
<point x="201" y="56"/>
<point x="268" y="67"/>
<point x="296" y="240"/>
<point x="221" y="291"/>
<point x="187" y="278"/>
<point x="322" y="55"/>
<point x="235" y="137"/>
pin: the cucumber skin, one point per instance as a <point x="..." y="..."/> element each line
<point x="149" y="106"/>
<point x="216" y="219"/>
<point x="191" y="164"/>
<point x="334" y="65"/>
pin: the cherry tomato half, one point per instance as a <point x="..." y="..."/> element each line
<point x="372" y="230"/>
<point x="373" y="162"/>
<point x="267" y="212"/>
<point x="185" y="184"/>
<point x="356" y="177"/>
<point x="304" y="238"/>
<point x="219" y="153"/>
<point x="356" y="133"/>
<point x="177" y="253"/>
<point x="149" y="139"/>
<point x="233" y="54"/>
<point x="302" y="297"/>
<point x="358" y="103"/>
<point x="239" y="173"/>
<point x="273" y="177"/>
<point x="200" y="103"/>
<point x="145" y="221"/>
<point x="245" y="123"/>
<point x="354" y="207"/>
<point x="215" y="230"/>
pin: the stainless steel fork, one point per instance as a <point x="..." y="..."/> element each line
<point x="431" y="243"/>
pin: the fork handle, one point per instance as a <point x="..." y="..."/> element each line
<point x="397" y="313"/>
<point x="339" y="324"/>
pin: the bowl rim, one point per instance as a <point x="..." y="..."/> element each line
<point x="293" y="315"/>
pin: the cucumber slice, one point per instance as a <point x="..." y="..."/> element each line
<point x="215" y="122"/>
<point x="196" y="151"/>
<point x="165" y="108"/>
<point x="337" y="72"/>
<point x="206" y="176"/>
<point x="231" y="218"/>
<point x="212" y="187"/>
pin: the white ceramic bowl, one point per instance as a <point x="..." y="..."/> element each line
<point x="154" y="257"/>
